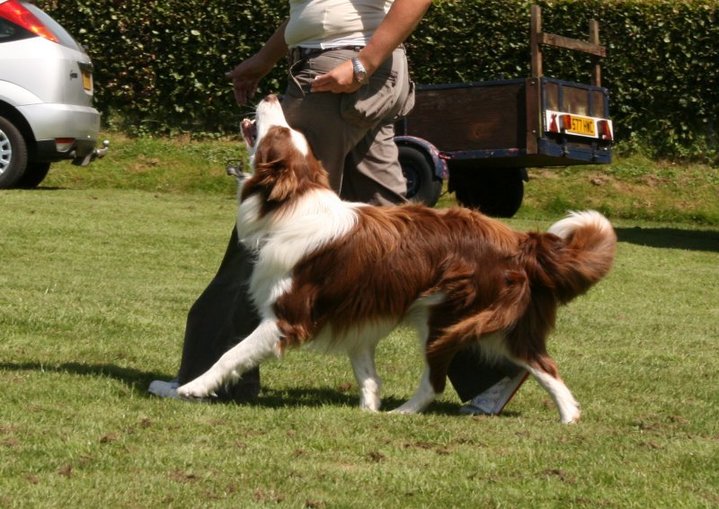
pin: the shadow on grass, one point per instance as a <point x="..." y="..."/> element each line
<point x="133" y="378"/>
<point x="317" y="397"/>
<point x="309" y="397"/>
<point x="672" y="238"/>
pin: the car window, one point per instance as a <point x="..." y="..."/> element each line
<point x="10" y="32"/>
<point x="64" y="37"/>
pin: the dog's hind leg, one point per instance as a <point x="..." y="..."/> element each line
<point x="247" y="354"/>
<point x="425" y="393"/>
<point x="545" y="372"/>
<point x="423" y="396"/>
<point x="367" y="379"/>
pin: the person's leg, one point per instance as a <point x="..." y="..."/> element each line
<point x="372" y="172"/>
<point x="221" y="316"/>
<point x="470" y="373"/>
<point x="316" y="115"/>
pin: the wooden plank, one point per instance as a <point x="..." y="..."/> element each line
<point x="574" y="98"/>
<point x="534" y="33"/>
<point x="594" y="39"/>
<point x="560" y="41"/>
<point x="537" y="38"/>
<point x="533" y="121"/>
<point x="479" y="117"/>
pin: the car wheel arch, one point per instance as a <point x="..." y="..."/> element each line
<point x="13" y="115"/>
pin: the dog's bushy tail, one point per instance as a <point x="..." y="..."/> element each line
<point x="549" y="269"/>
<point x="575" y="254"/>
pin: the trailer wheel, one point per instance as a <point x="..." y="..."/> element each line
<point x="495" y="192"/>
<point x="422" y="185"/>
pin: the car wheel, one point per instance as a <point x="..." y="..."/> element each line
<point x="422" y="185"/>
<point x="13" y="154"/>
<point x="495" y="192"/>
<point x="34" y="174"/>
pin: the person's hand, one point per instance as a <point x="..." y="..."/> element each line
<point x="246" y="77"/>
<point x="340" y="80"/>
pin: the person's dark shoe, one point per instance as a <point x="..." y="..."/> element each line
<point x="494" y="399"/>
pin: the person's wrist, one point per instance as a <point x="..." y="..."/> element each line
<point x="361" y="75"/>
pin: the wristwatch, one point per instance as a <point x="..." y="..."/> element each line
<point x="359" y="71"/>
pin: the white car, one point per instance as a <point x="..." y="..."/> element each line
<point x="46" y="97"/>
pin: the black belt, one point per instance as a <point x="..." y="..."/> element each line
<point x="299" y="53"/>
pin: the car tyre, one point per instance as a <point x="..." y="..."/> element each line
<point x="422" y="185"/>
<point x="13" y="154"/>
<point x="34" y="174"/>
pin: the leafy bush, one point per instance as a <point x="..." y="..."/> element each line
<point x="160" y="64"/>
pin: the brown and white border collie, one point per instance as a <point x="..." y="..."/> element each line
<point x="343" y="275"/>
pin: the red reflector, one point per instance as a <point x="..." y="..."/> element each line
<point x="14" y="12"/>
<point x="605" y="132"/>
<point x="553" y="127"/>
<point x="64" y="144"/>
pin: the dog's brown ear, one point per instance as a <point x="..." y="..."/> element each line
<point x="285" y="183"/>
<point x="282" y="170"/>
<point x="294" y="173"/>
<point x="273" y="146"/>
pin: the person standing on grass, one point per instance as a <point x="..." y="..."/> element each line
<point x="348" y="82"/>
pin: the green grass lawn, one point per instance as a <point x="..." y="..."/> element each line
<point x="97" y="277"/>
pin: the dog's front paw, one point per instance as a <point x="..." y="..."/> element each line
<point x="196" y="390"/>
<point x="571" y="417"/>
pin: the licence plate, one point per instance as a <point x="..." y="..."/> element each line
<point x="87" y="80"/>
<point x="583" y="126"/>
<point x="569" y="123"/>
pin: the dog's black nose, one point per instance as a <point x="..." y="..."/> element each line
<point x="234" y="167"/>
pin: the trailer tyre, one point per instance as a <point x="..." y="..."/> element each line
<point x="422" y="185"/>
<point x="495" y="192"/>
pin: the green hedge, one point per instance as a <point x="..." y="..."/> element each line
<point x="160" y="65"/>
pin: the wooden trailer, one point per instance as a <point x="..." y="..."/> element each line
<point x="484" y="135"/>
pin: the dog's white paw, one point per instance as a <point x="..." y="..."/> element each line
<point x="195" y="389"/>
<point x="370" y="403"/>
<point x="572" y="415"/>
<point x="369" y="408"/>
<point x="573" y="419"/>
